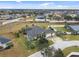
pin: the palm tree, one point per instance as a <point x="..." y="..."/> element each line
<point x="45" y="18"/>
<point x="50" y="17"/>
<point x="34" y="16"/>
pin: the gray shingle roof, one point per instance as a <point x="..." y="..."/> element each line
<point x="49" y="30"/>
<point x="35" y="30"/>
<point x="4" y="40"/>
<point x="74" y="27"/>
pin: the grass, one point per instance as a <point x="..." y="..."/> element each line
<point x="70" y="37"/>
<point x="70" y="49"/>
<point x="22" y="41"/>
<point x="19" y="48"/>
<point x="62" y="29"/>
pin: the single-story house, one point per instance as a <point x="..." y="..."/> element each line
<point x="73" y="28"/>
<point x="4" y="42"/>
<point x="33" y="31"/>
<point x="41" y="18"/>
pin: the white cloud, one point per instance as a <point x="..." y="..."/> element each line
<point x="46" y="4"/>
<point x="18" y="1"/>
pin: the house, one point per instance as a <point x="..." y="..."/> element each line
<point x="4" y="42"/>
<point x="40" y="18"/>
<point x="33" y="31"/>
<point x="73" y="28"/>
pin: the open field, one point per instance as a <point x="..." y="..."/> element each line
<point x="19" y="48"/>
<point x="70" y="49"/>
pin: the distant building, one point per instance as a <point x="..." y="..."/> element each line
<point x="41" y="18"/>
<point x="73" y="28"/>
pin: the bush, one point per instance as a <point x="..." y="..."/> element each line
<point x="30" y="45"/>
<point x="59" y="53"/>
<point x="17" y="34"/>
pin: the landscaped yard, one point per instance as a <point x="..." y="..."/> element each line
<point x="70" y="49"/>
<point x="19" y="48"/>
<point x="70" y="37"/>
<point x="61" y="29"/>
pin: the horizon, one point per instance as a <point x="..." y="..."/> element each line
<point x="39" y="4"/>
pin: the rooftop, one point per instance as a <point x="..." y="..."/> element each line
<point x="74" y="27"/>
<point x="35" y="30"/>
<point x="4" y="40"/>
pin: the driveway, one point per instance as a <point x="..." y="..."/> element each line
<point x="65" y="44"/>
<point x="56" y="39"/>
<point x="62" y="45"/>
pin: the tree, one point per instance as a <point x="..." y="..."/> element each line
<point x="57" y="17"/>
<point x="48" y="52"/>
<point x="45" y="18"/>
<point x="50" y="17"/>
<point x="67" y="17"/>
<point x="59" y="53"/>
<point x="34" y="16"/>
<point x="17" y="34"/>
<point x="42" y="42"/>
<point x="76" y="18"/>
<point x="30" y="45"/>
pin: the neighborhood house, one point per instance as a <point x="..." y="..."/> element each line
<point x="40" y="18"/>
<point x="4" y="42"/>
<point x="73" y="28"/>
<point x="33" y="31"/>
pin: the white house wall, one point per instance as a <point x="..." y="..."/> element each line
<point x="41" y="19"/>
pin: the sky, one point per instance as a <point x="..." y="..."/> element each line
<point x="39" y="4"/>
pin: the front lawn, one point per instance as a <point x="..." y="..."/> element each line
<point x="19" y="44"/>
<point x="61" y="29"/>
<point x="70" y="49"/>
<point x="70" y="37"/>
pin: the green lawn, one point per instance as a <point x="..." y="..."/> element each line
<point x="22" y="41"/>
<point x="70" y="37"/>
<point x="62" y="29"/>
<point x="70" y="49"/>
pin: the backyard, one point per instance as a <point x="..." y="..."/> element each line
<point x="19" y="44"/>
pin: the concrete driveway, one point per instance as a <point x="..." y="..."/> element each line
<point x="62" y="45"/>
<point x="65" y="44"/>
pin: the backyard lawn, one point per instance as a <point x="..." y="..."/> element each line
<point x="19" y="44"/>
<point x="70" y="49"/>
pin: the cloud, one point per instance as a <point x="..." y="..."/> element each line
<point x="18" y="1"/>
<point x="46" y="4"/>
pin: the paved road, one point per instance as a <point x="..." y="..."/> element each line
<point x="10" y="21"/>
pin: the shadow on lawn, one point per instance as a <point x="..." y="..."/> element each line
<point x="7" y="48"/>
